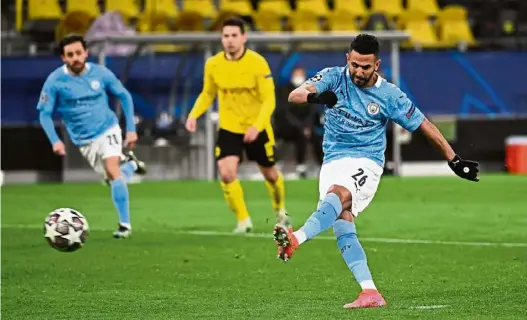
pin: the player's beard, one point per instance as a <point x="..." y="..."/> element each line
<point x="77" y="67"/>
<point x="361" y="81"/>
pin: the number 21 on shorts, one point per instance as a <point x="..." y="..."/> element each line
<point x="112" y="139"/>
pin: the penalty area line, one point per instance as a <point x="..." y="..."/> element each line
<point x="269" y="236"/>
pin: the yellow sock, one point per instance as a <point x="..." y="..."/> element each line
<point x="277" y="192"/>
<point x="233" y="194"/>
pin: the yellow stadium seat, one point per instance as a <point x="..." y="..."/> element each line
<point x="205" y="7"/>
<point x="429" y="7"/>
<point x="454" y="27"/>
<point x="342" y="21"/>
<point x="268" y="21"/>
<point x="305" y="20"/>
<point x="127" y="8"/>
<point x="320" y="7"/>
<point x="392" y="8"/>
<point x="355" y="7"/>
<point x="422" y="32"/>
<point x="190" y="21"/>
<point x="91" y="7"/>
<point x="43" y="9"/>
<point x="280" y="7"/>
<point x="167" y="7"/>
<point x="241" y="7"/>
<point x="158" y="23"/>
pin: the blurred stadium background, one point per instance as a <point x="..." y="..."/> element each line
<point x="463" y="64"/>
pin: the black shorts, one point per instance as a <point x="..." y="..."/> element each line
<point x="261" y="151"/>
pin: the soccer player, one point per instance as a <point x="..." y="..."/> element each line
<point x="76" y="91"/>
<point x="242" y="80"/>
<point x="359" y="103"/>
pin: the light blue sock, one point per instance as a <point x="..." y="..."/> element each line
<point x="120" y="199"/>
<point x="351" y="250"/>
<point x="322" y="219"/>
<point x="128" y="170"/>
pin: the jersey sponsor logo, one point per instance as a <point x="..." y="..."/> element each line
<point x="316" y="78"/>
<point x="410" y="112"/>
<point x="373" y="108"/>
<point x="95" y="84"/>
<point x="44" y="97"/>
<point x="353" y="121"/>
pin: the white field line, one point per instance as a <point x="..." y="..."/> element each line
<point x="269" y="236"/>
<point x="439" y="306"/>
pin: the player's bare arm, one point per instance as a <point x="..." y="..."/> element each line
<point x="299" y="95"/>
<point x="436" y="139"/>
<point x="308" y="94"/>
<point x="465" y="169"/>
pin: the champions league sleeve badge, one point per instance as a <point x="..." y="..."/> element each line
<point x="316" y="78"/>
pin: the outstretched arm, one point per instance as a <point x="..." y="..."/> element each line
<point x="436" y="139"/>
<point x="465" y="169"/>
<point x="407" y="115"/>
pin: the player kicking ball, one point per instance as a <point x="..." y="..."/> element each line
<point x="76" y="91"/>
<point x="246" y="99"/>
<point x="359" y="104"/>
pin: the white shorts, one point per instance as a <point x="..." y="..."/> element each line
<point x="361" y="176"/>
<point x="109" y="144"/>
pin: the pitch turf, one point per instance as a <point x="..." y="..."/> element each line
<point x="168" y="272"/>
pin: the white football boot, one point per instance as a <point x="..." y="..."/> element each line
<point x="124" y="231"/>
<point x="244" y="226"/>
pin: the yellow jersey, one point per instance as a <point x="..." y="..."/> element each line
<point x="245" y="89"/>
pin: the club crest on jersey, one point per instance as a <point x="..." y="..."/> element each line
<point x="95" y="84"/>
<point x="373" y="108"/>
<point x="316" y="78"/>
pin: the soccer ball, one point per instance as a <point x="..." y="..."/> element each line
<point x="66" y="229"/>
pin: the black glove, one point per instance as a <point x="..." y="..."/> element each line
<point x="328" y="98"/>
<point x="465" y="169"/>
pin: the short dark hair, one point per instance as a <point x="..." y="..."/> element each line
<point x="69" y="39"/>
<point x="234" y="22"/>
<point x="365" y="44"/>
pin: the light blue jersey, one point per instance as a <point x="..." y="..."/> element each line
<point x="356" y="126"/>
<point x="82" y="103"/>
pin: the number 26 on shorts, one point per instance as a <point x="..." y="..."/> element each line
<point x="360" y="178"/>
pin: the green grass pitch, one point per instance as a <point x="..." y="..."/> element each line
<point x="471" y="266"/>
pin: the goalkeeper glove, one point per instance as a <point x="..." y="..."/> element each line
<point x="465" y="169"/>
<point x="328" y="98"/>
